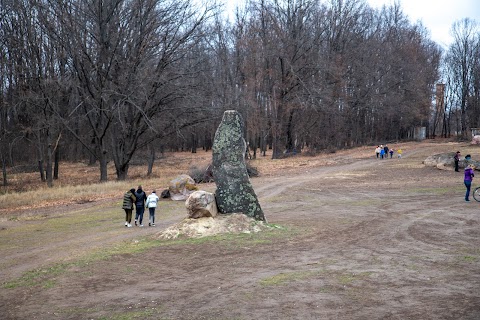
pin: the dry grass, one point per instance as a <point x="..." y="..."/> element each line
<point x="79" y="183"/>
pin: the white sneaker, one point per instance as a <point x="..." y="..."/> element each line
<point x="153" y="224"/>
<point x="129" y="225"/>
<point x="126" y="224"/>
<point x="141" y="225"/>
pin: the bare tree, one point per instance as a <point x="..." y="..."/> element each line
<point x="462" y="60"/>
<point x="127" y="59"/>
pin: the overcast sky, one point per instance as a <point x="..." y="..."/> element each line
<point x="436" y="15"/>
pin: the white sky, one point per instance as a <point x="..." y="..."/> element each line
<point x="436" y="15"/>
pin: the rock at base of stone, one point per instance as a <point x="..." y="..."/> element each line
<point x="201" y="204"/>
<point x="221" y="224"/>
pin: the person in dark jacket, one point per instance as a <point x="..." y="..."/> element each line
<point x="140" y="206"/>
<point x="456" y="158"/>
<point x="128" y="201"/>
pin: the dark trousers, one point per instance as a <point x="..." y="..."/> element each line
<point x="139" y="214"/>
<point x="152" y="215"/>
<point x="456" y="165"/>
<point x="468" y="184"/>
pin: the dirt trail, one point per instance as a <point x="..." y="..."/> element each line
<point x="366" y="239"/>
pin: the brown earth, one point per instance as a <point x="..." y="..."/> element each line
<point x="354" y="237"/>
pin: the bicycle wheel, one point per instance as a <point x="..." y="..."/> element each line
<point x="476" y="194"/>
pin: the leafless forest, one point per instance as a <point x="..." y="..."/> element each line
<point x="123" y="80"/>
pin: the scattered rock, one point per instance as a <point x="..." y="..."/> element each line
<point x="476" y="139"/>
<point x="181" y="187"/>
<point x="165" y="194"/>
<point x="201" y="204"/>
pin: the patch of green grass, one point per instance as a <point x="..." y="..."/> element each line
<point x="37" y="277"/>
<point x="128" y="247"/>
<point x="363" y="202"/>
<point x="43" y="276"/>
<point x="469" y="258"/>
<point x="285" y="278"/>
<point x="146" y="312"/>
<point x="325" y="289"/>
<point x="348" y="278"/>
<point x="49" y="284"/>
<point x="412" y="266"/>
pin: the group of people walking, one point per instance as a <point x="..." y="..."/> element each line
<point x="140" y="200"/>
<point x="382" y="152"/>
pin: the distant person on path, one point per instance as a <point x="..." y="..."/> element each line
<point x="399" y="153"/>
<point x="377" y="151"/>
<point x="391" y="153"/>
<point x="382" y="153"/>
<point x="128" y="201"/>
<point x="140" y="206"/>
<point x="468" y="180"/>
<point x="456" y="158"/>
<point x="151" y="204"/>
<point x="386" y="151"/>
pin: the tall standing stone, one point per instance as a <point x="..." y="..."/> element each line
<point x="234" y="192"/>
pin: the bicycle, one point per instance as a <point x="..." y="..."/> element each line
<point x="476" y="194"/>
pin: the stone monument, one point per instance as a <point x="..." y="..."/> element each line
<point x="234" y="193"/>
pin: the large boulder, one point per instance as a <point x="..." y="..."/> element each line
<point x="181" y="187"/>
<point x="445" y="161"/>
<point x="201" y="204"/>
<point x="440" y="160"/>
<point x="476" y="139"/>
<point x="234" y="191"/>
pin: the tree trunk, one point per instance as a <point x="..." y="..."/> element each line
<point x="103" y="167"/>
<point x="56" y="164"/>
<point x="194" y="143"/>
<point x="40" y="169"/>
<point x="92" y="158"/>
<point x="290" y="146"/>
<point x="151" y="159"/>
<point x="263" y="143"/>
<point x="48" y="169"/>
<point x="4" y="170"/>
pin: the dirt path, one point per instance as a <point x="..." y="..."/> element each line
<point x="368" y="239"/>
